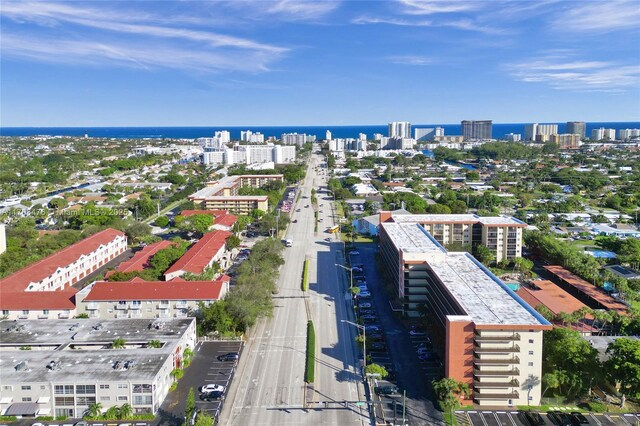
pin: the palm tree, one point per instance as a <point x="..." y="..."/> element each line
<point x="154" y="344"/>
<point x="125" y="412"/>
<point x="118" y="343"/>
<point x="112" y="413"/>
<point x="94" y="410"/>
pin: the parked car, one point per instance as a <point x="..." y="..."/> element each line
<point x="427" y="356"/>
<point x="364" y="305"/>
<point x="578" y="418"/>
<point x="386" y="390"/>
<point x="423" y="351"/>
<point x="375" y="336"/>
<point x="369" y="318"/>
<point x="364" y="294"/>
<point x="354" y="252"/>
<point x="559" y="418"/>
<point x="371" y="328"/>
<point x="367" y="312"/>
<point x="211" y="396"/>
<point x="211" y="388"/>
<point x="532" y="418"/>
<point x="231" y="356"/>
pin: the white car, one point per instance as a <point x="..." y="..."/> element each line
<point x="354" y="253"/>
<point x="364" y="294"/>
<point x="211" y="388"/>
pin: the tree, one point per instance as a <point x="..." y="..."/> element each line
<point x="199" y="223"/>
<point x="118" y="343"/>
<point x="112" y="413"/>
<point x="232" y="242"/>
<point x="58" y="203"/>
<point x="137" y="230"/>
<point x="125" y="412"/>
<point x="376" y="369"/>
<point x="191" y="404"/>
<point x="154" y="343"/>
<point x="484" y="255"/>
<point x="550" y="381"/>
<point x="623" y="365"/>
<point x="448" y="392"/>
<point x="162" y="221"/>
<point x="215" y="317"/>
<point x="204" y="419"/>
<point x="94" y="410"/>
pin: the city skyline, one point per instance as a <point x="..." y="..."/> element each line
<point x="229" y="63"/>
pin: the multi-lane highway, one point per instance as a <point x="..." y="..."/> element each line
<point x="269" y="388"/>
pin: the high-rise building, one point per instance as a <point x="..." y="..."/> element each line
<point x="362" y="137"/>
<point x="222" y="136"/>
<point x="377" y="136"/>
<point x="628" y="134"/>
<point x="603" y="134"/>
<point x="327" y="135"/>
<point x="513" y="137"/>
<point x="427" y="133"/>
<point x="400" y="129"/>
<point x="476" y="129"/>
<point x="577" y="128"/>
<point x="539" y="132"/>
<point x="566" y="140"/>
<point x="249" y="136"/>
<point x="294" y="139"/>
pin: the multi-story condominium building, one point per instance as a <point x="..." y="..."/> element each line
<point x="628" y="134"/>
<point x="566" y="140"/>
<point x="221" y="218"/>
<point x="149" y="299"/>
<point x="222" y="136"/>
<point x="377" y="136"/>
<point x="476" y="129"/>
<point x="327" y="135"/>
<point x="200" y="256"/>
<point x="539" y="132"/>
<point x="513" y="137"/>
<point x="249" y="154"/>
<point x="488" y="337"/>
<point x="449" y="138"/>
<point x="362" y="137"/>
<point x="603" y="134"/>
<point x="501" y="234"/>
<point x="41" y="290"/>
<point x="400" y="129"/>
<point x="249" y="136"/>
<point x="74" y="367"/>
<point x="336" y="145"/>
<point x="397" y="143"/>
<point x="223" y="194"/>
<point x="577" y="128"/>
<point x="293" y="139"/>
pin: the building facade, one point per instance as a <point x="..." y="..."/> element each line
<point x="628" y="134"/>
<point x="577" y="128"/>
<point x="400" y="129"/>
<point x="539" y="132"/>
<point x="200" y="256"/>
<point x="249" y="154"/>
<point x="293" y="139"/>
<point x="487" y="336"/>
<point x="567" y="140"/>
<point x="74" y="365"/>
<point x="148" y="299"/>
<point x="477" y="129"/>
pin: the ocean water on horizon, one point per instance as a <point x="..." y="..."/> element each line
<point x="499" y="130"/>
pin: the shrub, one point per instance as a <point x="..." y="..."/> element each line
<point x="597" y="407"/>
<point x="309" y="373"/>
<point x="305" y="276"/>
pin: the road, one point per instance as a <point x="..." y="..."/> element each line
<point x="269" y="387"/>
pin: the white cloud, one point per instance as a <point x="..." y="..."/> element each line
<point x="146" y="44"/>
<point x="565" y="74"/>
<point x="424" y="7"/>
<point x="412" y="60"/>
<point x="466" y="25"/>
<point x="599" y="16"/>
<point x="302" y="10"/>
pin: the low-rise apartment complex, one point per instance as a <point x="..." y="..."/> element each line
<point x="200" y="256"/>
<point x="149" y="299"/>
<point x="491" y="339"/>
<point x="501" y="234"/>
<point x="52" y="277"/>
<point x="223" y="194"/>
<point x="73" y="364"/>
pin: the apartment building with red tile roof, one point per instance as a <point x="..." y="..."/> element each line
<point x="140" y="260"/>
<point x="221" y="218"/>
<point x="209" y="249"/>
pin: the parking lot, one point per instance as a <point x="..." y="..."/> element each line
<point x="205" y="369"/>
<point x="515" y="418"/>
<point x="392" y="346"/>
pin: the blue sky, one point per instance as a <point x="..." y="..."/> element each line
<point x="166" y="63"/>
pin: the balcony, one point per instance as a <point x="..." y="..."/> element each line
<point x="93" y="307"/>
<point x="23" y="316"/>
<point x="163" y="306"/>
<point x="513" y="383"/>
<point x="122" y="306"/>
<point x="136" y="306"/>
<point x="496" y="373"/>
<point x="506" y="338"/>
<point x="164" y="315"/>
<point x="43" y="316"/>
<point x="182" y="305"/>
<point x="496" y="350"/>
<point x="64" y="315"/>
<point x="507" y="395"/>
<point x="491" y="361"/>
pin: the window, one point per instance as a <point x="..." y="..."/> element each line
<point x="25" y="312"/>
<point x="63" y="389"/>
<point x="45" y="311"/>
<point x="123" y="398"/>
<point x="5" y="312"/>
<point x="105" y="398"/>
<point x="26" y="399"/>
<point x="42" y="387"/>
<point x="142" y="400"/>
<point x="530" y="352"/>
<point x="143" y="388"/>
<point x="7" y="388"/>
<point x="26" y="387"/>
<point x="123" y="386"/>
<point x="530" y="340"/>
<point x="64" y="401"/>
<point x="530" y="364"/>
<point x="85" y="389"/>
<point x="85" y="400"/>
<point x="104" y="386"/>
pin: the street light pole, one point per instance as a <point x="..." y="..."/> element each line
<point x="350" y="274"/>
<point x="364" y="347"/>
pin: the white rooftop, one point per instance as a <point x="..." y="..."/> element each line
<point x="411" y="238"/>
<point x="483" y="297"/>
<point x="460" y="218"/>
